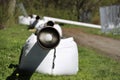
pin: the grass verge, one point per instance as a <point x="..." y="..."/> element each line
<point x="92" y="66"/>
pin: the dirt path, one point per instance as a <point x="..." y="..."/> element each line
<point x="108" y="46"/>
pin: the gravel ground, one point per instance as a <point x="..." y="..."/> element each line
<point x="103" y="45"/>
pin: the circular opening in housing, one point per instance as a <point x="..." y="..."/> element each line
<point x="48" y="37"/>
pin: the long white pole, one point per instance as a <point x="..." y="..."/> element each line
<point x="72" y="22"/>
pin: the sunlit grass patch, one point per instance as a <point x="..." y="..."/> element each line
<point x="92" y="66"/>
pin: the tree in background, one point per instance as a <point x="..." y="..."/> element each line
<point x="3" y="4"/>
<point x="11" y="10"/>
<point x="7" y="8"/>
<point x="85" y="9"/>
<point x="3" y="13"/>
<point x="79" y="10"/>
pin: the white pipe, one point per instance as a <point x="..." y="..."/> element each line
<point x="72" y="22"/>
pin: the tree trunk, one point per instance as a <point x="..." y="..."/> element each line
<point x="11" y="10"/>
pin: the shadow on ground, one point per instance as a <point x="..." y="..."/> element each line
<point x="19" y="74"/>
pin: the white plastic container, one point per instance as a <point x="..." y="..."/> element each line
<point x="24" y="20"/>
<point x="58" y="28"/>
<point x="64" y="58"/>
<point x="66" y="61"/>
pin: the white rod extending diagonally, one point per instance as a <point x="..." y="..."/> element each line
<point x="72" y="22"/>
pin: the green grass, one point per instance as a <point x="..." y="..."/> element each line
<point x="92" y="66"/>
<point x="95" y="31"/>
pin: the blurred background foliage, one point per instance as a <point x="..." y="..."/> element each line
<point x="78" y="10"/>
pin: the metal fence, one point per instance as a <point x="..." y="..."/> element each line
<point x="110" y="19"/>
